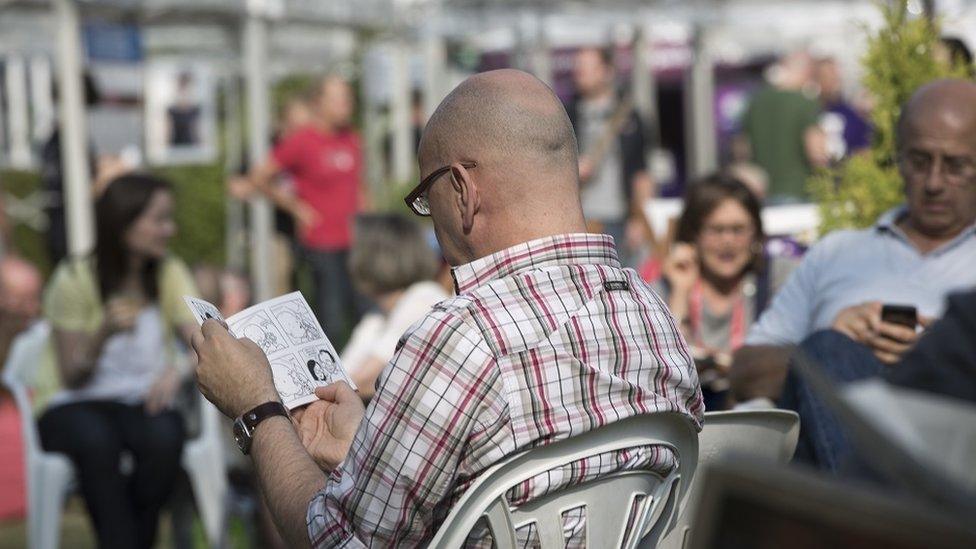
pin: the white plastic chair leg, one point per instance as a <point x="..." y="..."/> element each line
<point x="203" y="463"/>
<point x="52" y="478"/>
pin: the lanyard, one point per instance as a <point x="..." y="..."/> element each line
<point x="737" y="327"/>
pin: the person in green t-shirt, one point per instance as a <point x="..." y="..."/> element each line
<point x="782" y="131"/>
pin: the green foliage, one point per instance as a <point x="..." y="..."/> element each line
<point x="200" y="212"/>
<point x="899" y="59"/>
<point x="26" y="242"/>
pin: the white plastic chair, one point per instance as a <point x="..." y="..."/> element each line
<point x="607" y="500"/>
<point x="768" y="435"/>
<point x="51" y="476"/>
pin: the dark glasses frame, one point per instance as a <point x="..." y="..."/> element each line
<point x="417" y="199"/>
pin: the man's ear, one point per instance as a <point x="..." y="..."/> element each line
<point x="468" y="200"/>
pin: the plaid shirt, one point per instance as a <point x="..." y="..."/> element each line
<point x="544" y="341"/>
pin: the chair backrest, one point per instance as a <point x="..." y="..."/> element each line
<point x="771" y="434"/>
<point x="608" y="500"/>
<point x="18" y="376"/>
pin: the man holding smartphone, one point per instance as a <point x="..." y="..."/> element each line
<point x="914" y="255"/>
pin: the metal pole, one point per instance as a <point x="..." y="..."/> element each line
<point x="699" y="108"/>
<point x="79" y="209"/>
<point x="373" y="132"/>
<point x="236" y="235"/>
<point x="435" y="61"/>
<point x="40" y="77"/>
<point x="258" y="113"/>
<point x="20" y="150"/>
<point x="541" y="58"/>
<point x="643" y="86"/>
<point x="403" y="153"/>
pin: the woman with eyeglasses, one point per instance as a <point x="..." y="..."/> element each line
<point x="717" y="279"/>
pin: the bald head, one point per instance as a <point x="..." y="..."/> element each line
<point x="526" y="181"/>
<point x="507" y="116"/>
<point x="937" y="159"/>
<point x="20" y="289"/>
<point x="953" y="102"/>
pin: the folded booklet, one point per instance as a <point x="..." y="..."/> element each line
<point x="301" y="357"/>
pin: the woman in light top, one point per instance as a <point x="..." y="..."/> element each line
<point x="718" y="279"/>
<point x="116" y="316"/>
<point x="392" y="264"/>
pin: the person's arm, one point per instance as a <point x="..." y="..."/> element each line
<point x="439" y="391"/>
<point x="815" y="147"/>
<point x="78" y="351"/>
<point x="288" y="477"/>
<point x="759" y="368"/>
<point x="235" y="375"/>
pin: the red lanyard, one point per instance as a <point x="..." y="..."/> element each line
<point x="737" y="327"/>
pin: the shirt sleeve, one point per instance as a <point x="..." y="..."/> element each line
<point x="288" y="152"/>
<point x="176" y="281"/>
<point x="404" y="459"/>
<point x="787" y="319"/>
<point x="70" y="301"/>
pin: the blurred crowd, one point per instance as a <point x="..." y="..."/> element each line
<point x="120" y="333"/>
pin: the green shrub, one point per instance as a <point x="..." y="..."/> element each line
<point x="898" y="60"/>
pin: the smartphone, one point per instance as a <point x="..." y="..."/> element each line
<point x="904" y="315"/>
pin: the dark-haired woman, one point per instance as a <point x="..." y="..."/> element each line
<point x="116" y="316"/>
<point x="717" y="279"/>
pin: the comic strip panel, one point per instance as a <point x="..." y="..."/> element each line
<point x="321" y="363"/>
<point x="259" y="328"/>
<point x="297" y="321"/>
<point x="291" y="380"/>
<point x="203" y="310"/>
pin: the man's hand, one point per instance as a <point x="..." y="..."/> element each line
<point x="240" y="188"/>
<point x="327" y="426"/>
<point x="305" y="215"/>
<point x="888" y="341"/>
<point x="232" y="373"/>
<point x="585" y="169"/>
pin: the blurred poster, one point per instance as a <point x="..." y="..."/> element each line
<point x="181" y="125"/>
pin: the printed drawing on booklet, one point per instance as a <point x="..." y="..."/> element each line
<point x="321" y="364"/>
<point x="260" y="329"/>
<point x="206" y="310"/>
<point x="297" y="321"/>
<point x="290" y="379"/>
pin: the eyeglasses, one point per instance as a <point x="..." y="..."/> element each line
<point x="417" y="199"/>
<point x="737" y="231"/>
<point x="956" y="170"/>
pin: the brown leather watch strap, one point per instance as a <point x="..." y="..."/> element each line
<point x="263" y="412"/>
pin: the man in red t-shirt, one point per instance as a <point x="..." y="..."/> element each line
<point x="324" y="159"/>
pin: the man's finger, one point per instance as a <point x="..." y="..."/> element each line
<point x="197" y="341"/>
<point x="214" y="328"/>
<point x="897" y="332"/>
<point x="887" y="345"/>
<point x="872" y="314"/>
<point x="337" y="392"/>
<point x="925" y="321"/>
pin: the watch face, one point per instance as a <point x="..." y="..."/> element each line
<point x="242" y="436"/>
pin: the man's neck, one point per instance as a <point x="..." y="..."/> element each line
<point x="324" y="125"/>
<point x="923" y="242"/>
<point x="603" y="94"/>
<point x="521" y="237"/>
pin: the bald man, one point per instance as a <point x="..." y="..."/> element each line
<point x="915" y="255"/>
<point x="547" y="337"/>
<point x="20" y="300"/>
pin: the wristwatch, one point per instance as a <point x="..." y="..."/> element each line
<point x="244" y="425"/>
